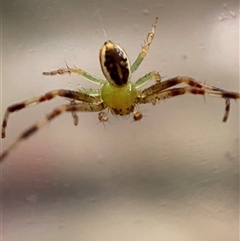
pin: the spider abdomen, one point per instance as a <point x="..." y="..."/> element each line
<point x="120" y="100"/>
<point x="115" y="64"/>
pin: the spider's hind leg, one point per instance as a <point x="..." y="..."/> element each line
<point x="77" y="71"/>
<point x="145" y="47"/>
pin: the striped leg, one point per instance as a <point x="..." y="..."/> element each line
<point x="73" y="95"/>
<point x="188" y="81"/>
<point x="163" y="94"/>
<point x="175" y="81"/>
<point x="81" y="107"/>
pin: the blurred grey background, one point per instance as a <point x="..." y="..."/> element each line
<point x="172" y="176"/>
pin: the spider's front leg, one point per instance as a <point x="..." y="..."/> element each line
<point x="175" y="81"/>
<point x="81" y="107"/>
<point x="73" y="95"/>
<point x="145" y="47"/>
<point x="159" y="91"/>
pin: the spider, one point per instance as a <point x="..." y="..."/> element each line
<point x="118" y="94"/>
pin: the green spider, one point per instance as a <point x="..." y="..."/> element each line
<point x="117" y="94"/>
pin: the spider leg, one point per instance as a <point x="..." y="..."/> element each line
<point x="74" y="115"/>
<point x="146" y="78"/>
<point x="188" y="81"/>
<point x="77" y="71"/>
<point x="145" y="47"/>
<point x="175" y="81"/>
<point x="73" y="95"/>
<point x="227" y="109"/>
<point x="91" y="92"/>
<point x="163" y="94"/>
<point x="81" y="107"/>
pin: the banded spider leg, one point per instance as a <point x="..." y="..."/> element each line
<point x="161" y="91"/>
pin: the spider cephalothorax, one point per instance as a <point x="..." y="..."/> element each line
<point x="117" y="94"/>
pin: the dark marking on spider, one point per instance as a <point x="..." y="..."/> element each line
<point x="118" y="94"/>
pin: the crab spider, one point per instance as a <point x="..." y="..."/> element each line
<point x="118" y="94"/>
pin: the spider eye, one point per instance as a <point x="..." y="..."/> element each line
<point x="114" y="63"/>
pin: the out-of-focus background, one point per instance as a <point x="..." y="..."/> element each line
<point x="172" y="176"/>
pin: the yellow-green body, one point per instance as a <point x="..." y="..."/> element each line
<point x="117" y="94"/>
<point x="120" y="100"/>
